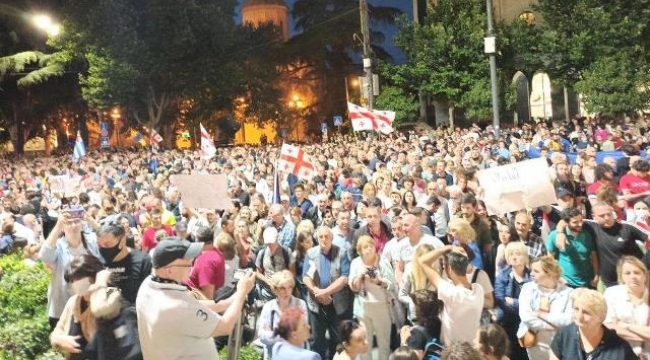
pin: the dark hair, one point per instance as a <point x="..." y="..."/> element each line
<point x="468" y="199"/>
<point x="427" y="309"/>
<point x="300" y="251"/>
<point x="299" y="186"/>
<point x="345" y="330"/>
<point x="569" y="213"/>
<point x="288" y="322"/>
<point x="375" y="202"/>
<point x="81" y="267"/>
<point x="601" y="170"/>
<point x="457" y="263"/>
<point x="204" y="234"/>
<point x="404" y="353"/>
<point x="493" y="340"/>
<point x="114" y="228"/>
<point x="460" y="350"/>
<point x="641" y="165"/>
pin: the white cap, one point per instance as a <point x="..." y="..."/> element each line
<point x="284" y="197"/>
<point x="270" y="235"/>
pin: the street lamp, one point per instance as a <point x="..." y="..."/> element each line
<point x="44" y="22"/>
<point x="115" y="115"/>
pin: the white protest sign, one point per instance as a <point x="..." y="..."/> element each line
<point x="203" y="191"/>
<point x="517" y="186"/>
<point x="65" y="185"/>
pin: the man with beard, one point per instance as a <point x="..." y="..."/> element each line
<point x="575" y="252"/>
<point x="522" y="224"/>
<point x="129" y="267"/>
<point x="613" y="240"/>
<point x="563" y="178"/>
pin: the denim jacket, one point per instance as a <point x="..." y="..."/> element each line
<point x="503" y="288"/>
<point x="529" y="302"/>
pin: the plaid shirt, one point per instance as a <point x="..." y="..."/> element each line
<point x="535" y="245"/>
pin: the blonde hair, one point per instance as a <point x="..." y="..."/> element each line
<point x="284" y="277"/>
<point x="592" y="300"/>
<point x="420" y="280"/>
<point x="363" y="241"/>
<point x="463" y="229"/>
<point x="627" y="259"/>
<point x="515" y="247"/>
<point x="549" y="266"/>
<point x="226" y="244"/>
<point x="367" y="188"/>
<point x="305" y="226"/>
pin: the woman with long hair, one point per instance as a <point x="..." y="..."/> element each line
<point x="371" y="278"/>
<point x="244" y="244"/>
<point x="414" y="279"/>
<point x="409" y="201"/>
<point x="428" y="308"/>
<point x="246" y="214"/>
<point x="628" y="304"/>
<point x="492" y="342"/>
<point x="304" y="242"/>
<point x="354" y="341"/>
<point x="544" y="307"/>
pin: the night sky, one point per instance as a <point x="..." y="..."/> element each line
<point x="389" y="31"/>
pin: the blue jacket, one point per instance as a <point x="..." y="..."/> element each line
<point x="503" y="287"/>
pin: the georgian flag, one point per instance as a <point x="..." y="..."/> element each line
<point x="155" y="137"/>
<point x="295" y="161"/>
<point x="208" y="150"/>
<point x="364" y="119"/>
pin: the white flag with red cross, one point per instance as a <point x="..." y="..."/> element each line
<point x="294" y="160"/>
<point x="364" y="119"/>
<point x="208" y="150"/>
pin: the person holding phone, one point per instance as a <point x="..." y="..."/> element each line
<point x="65" y="242"/>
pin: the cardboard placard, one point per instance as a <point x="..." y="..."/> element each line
<point x="203" y="191"/>
<point x="512" y="187"/>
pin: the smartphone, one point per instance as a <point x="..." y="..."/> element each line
<point x="76" y="212"/>
<point x="241" y="273"/>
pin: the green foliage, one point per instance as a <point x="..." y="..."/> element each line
<point x="247" y="352"/>
<point x="405" y="105"/>
<point x="24" y="327"/>
<point x="445" y="56"/>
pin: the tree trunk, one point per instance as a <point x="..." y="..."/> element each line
<point x="451" y="116"/>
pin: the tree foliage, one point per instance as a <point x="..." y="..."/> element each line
<point x="404" y="104"/>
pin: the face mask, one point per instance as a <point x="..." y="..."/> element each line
<point x="80" y="287"/>
<point x="642" y="213"/>
<point x="110" y="253"/>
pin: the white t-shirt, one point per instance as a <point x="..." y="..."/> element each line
<point x="461" y="315"/>
<point x="407" y="251"/>
<point x="172" y="324"/>
<point x="392" y="250"/>
<point x="621" y="309"/>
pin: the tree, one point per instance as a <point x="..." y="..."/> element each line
<point x="326" y="43"/>
<point x="445" y="57"/>
<point x="404" y="104"/>
<point x="150" y="56"/>
<point x="601" y="47"/>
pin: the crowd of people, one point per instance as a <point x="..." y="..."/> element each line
<point x="387" y="251"/>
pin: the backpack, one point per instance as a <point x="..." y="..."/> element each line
<point x="433" y="350"/>
<point x="285" y="256"/>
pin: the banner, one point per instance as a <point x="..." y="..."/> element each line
<point x="513" y="187"/>
<point x="104" y="134"/>
<point x="203" y="191"/>
<point x="64" y="184"/>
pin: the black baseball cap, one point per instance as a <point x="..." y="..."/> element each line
<point x="172" y="249"/>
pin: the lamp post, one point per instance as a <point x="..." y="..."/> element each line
<point x="115" y="115"/>
<point x="367" y="61"/>
<point x="490" y="49"/>
<point x="45" y="23"/>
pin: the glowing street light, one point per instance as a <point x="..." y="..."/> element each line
<point x="45" y="23"/>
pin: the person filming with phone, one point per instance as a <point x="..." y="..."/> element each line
<point x="65" y="242"/>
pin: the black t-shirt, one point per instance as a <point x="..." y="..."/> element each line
<point x="611" y="244"/>
<point x="567" y="345"/>
<point x="129" y="273"/>
<point x="420" y="337"/>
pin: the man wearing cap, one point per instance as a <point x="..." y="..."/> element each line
<point x="271" y="259"/>
<point x="172" y="324"/>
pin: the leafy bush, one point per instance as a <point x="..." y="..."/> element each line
<point x="24" y="327"/>
<point x="247" y="352"/>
